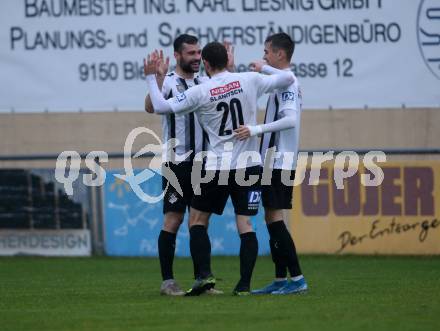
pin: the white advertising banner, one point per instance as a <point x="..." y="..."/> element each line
<point x="70" y="55"/>
<point x="45" y="242"/>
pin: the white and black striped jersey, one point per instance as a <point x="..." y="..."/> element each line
<point x="281" y="103"/>
<point x="185" y="128"/>
<point x="222" y="104"/>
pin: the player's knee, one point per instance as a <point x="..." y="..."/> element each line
<point x="272" y="215"/>
<point x="172" y="222"/>
<point x="197" y="217"/>
<point x="244" y="224"/>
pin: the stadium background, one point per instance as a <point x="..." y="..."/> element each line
<point x="38" y="218"/>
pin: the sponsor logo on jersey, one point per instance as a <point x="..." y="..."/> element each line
<point x="180" y="97"/>
<point x="225" y="88"/>
<point x="254" y="198"/>
<point x="286" y="96"/>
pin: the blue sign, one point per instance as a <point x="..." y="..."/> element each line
<point x="133" y="226"/>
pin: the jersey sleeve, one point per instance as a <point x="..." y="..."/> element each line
<point x="267" y="84"/>
<point x="187" y="101"/>
<point x="288" y="101"/>
<point x="287" y="114"/>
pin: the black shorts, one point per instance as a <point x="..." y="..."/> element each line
<point x="213" y="196"/>
<point x="277" y="195"/>
<point x="173" y="201"/>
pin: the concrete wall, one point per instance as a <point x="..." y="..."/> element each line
<point x="47" y="133"/>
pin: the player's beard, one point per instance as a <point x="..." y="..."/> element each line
<point x="188" y="66"/>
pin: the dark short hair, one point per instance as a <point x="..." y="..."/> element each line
<point x="216" y="55"/>
<point x="282" y="41"/>
<point x="184" y="39"/>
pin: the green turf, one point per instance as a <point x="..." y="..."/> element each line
<point x="346" y="293"/>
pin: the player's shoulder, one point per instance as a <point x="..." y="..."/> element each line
<point x="202" y="78"/>
<point x="289" y="93"/>
<point x="296" y="82"/>
<point x="169" y="79"/>
<point x="247" y="76"/>
<point x="294" y="87"/>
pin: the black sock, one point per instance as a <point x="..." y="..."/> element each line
<point x="248" y="257"/>
<point x="287" y="249"/>
<point x="200" y="248"/>
<point x="275" y="250"/>
<point x="196" y="269"/>
<point x="278" y="260"/>
<point x="166" y="244"/>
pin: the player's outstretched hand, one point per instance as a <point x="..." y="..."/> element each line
<point x="242" y="132"/>
<point x="257" y="65"/>
<point x="162" y="64"/>
<point x="231" y="61"/>
<point x="151" y="63"/>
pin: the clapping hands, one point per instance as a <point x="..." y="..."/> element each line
<point x="156" y="64"/>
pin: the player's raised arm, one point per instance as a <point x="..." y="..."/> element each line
<point x="261" y="66"/>
<point x="279" y="80"/>
<point x="162" y="69"/>
<point x="150" y="70"/>
<point x="185" y="102"/>
<point x="231" y="60"/>
<point x="288" y="113"/>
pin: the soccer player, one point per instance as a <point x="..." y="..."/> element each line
<point x="188" y="132"/>
<point x="222" y="104"/>
<point x="281" y="130"/>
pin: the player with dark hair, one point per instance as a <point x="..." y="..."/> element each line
<point x="222" y="104"/>
<point x="280" y="133"/>
<point x="190" y="140"/>
<point x="188" y="132"/>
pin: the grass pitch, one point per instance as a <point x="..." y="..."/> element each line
<point x="346" y="293"/>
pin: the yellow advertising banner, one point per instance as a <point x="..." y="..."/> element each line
<point x="399" y="216"/>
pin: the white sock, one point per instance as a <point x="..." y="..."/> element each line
<point x="280" y="279"/>
<point x="297" y="278"/>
